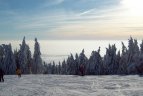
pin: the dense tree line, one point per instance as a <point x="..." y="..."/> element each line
<point x="21" y="59"/>
<point x="128" y="61"/>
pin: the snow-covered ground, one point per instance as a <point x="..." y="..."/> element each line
<point x="62" y="85"/>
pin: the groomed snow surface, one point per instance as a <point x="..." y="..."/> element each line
<point x="65" y="85"/>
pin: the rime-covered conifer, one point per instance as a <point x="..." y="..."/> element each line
<point x="24" y="58"/>
<point x="37" y="66"/>
<point x="9" y="65"/>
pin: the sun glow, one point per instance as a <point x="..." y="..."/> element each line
<point x="135" y="7"/>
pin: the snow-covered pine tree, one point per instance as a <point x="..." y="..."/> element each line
<point x="45" y="68"/>
<point x="29" y="60"/>
<point x="49" y="68"/>
<point x="139" y="66"/>
<point x="83" y="60"/>
<point x="24" y="58"/>
<point x="123" y="61"/>
<point x="133" y="56"/>
<point x="59" y="68"/>
<point x="70" y="65"/>
<point x="95" y="63"/>
<point x="56" y="69"/>
<point x="1" y="56"/>
<point x="64" y="68"/>
<point x="9" y="65"/>
<point x="110" y="59"/>
<point x="117" y="62"/>
<point x="130" y="50"/>
<point x="37" y="66"/>
<point x="16" y="54"/>
<point x="141" y="47"/>
<point x="53" y="68"/>
<point x="76" y="64"/>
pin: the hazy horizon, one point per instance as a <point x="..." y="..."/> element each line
<point x="58" y="50"/>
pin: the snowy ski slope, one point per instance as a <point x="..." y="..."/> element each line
<point x="62" y="85"/>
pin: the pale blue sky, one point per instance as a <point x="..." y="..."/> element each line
<point x="71" y="19"/>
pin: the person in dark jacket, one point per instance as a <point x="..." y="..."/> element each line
<point x="1" y="75"/>
<point x="140" y="69"/>
<point x="82" y="70"/>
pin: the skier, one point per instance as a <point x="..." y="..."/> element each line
<point x="1" y="75"/>
<point x="18" y="72"/>
<point x="82" y="70"/>
<point x="140" y="69"/>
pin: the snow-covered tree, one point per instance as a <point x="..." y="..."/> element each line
<point x="49" y="69"/>
<point x="139" y="66"/>
<point x="133" y="56"/>
<point x="24" y="58"/>
<point x="1" y="56"/>
<point x="9" y="65"/>
<point x="110" y="60"/>
<point x="83" y="60"/>
<point x="59" y="68"/>
<point x="95" y="63"/>
<point x="123" y="61"/>
<point x="117" y="62"/>
<point x="37" y="66"/>
<point x="53" y="68"/>
<point x="77" y="64"/>
<point x="64" y="68"/>
<point x="71" y="65"/>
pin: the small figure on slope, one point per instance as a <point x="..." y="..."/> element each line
<point x="1" y="75"/>
<point x="82" y="70"/>
<point x="18" y="72"/>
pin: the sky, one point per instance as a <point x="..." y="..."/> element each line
<point x="71" y="19"/>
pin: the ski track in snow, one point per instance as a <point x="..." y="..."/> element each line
<point x="65" y="85"/>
